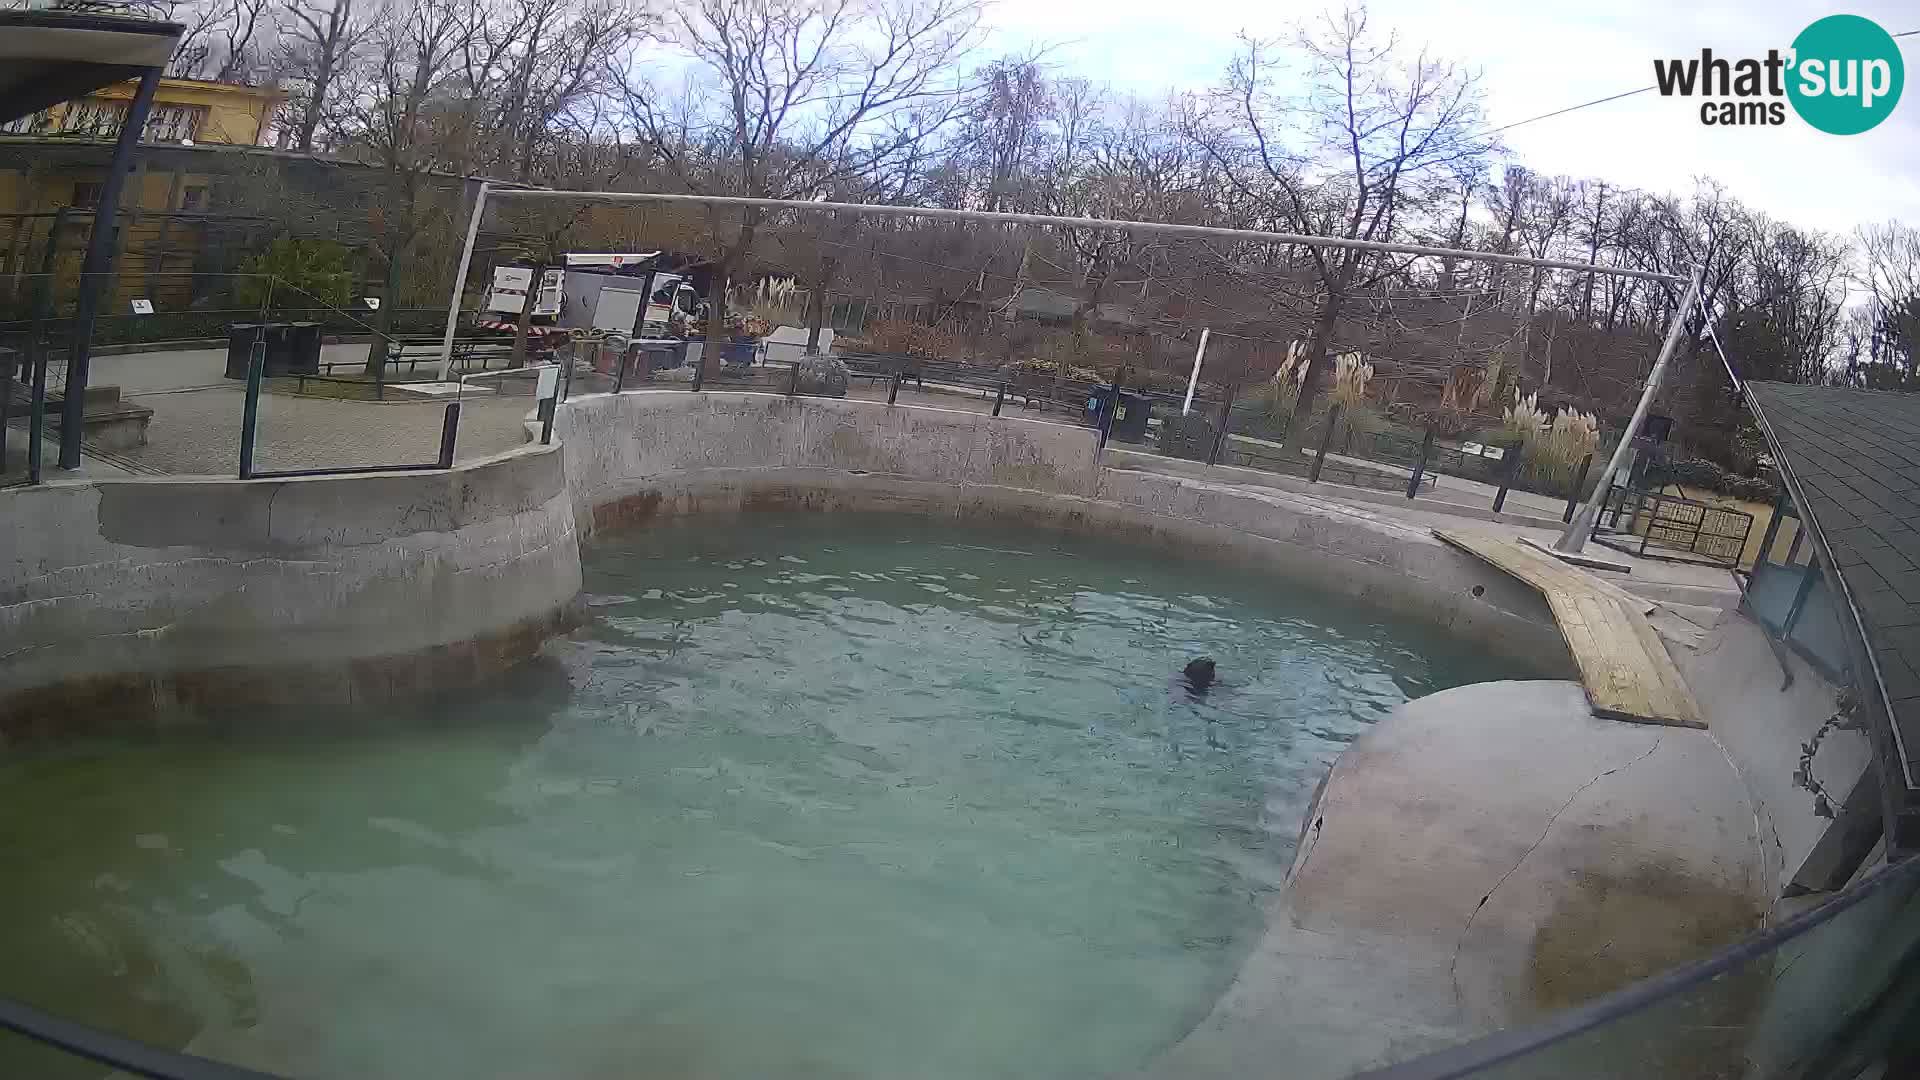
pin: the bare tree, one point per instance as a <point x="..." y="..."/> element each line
<point x="792" y="99"/>
<point x="225" y="40"/>
<point x="320" y="41"/>
<point x="1891" y="278"/>
<point x="1369" y="152"/>
<point x="410" y="115"/>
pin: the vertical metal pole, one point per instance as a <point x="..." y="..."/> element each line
<point x="893" y="387"/>
<point x="250" y="410"/>
<point x="1579" y="485"/>
<point x="1226" y="417"/>
<point x="460" y="283"/>
<point x="1580" y="529"/>
<point x="620" y="372"/>
<point x="37" y="419"/>
<point x="73" y="405"/>
<point x="1113" y="408"/>
<point x="449" y="432"/>
<point x="700" y="367"/>
<point x="1420" y="467"/>
<point x="999" y="397"/>
<point x="646" y="301"/>
<point x="1511" y="459"/>
<point x="6" y="406"/>
<point x="1193" y="380"/>
<point x="1326" y="437"/>
<point x="793" y="380"/>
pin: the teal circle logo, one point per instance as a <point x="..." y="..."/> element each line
<point x="1846" y="75"/>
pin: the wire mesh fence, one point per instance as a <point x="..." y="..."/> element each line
<point x="336" y="388"/>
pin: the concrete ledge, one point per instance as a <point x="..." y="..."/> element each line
<point x="109" y="704"/>
<point x="1486" y="856"/>
<point x="146" y="593"/>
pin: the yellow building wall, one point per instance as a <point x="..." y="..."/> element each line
<point x="236" y="115"/>
<point x="155" y="254"/>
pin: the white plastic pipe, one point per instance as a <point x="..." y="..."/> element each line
<point x="1193" y="380"/>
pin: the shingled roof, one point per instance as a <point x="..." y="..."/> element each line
<point x="1851" y="460"/>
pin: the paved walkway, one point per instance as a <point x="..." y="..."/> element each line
<point x="197" y="412"/>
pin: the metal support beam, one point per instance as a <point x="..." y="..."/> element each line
<point x="1216" y="232"/>
<point x="460" y="283"/>
<point x="1193" y="380"/>
<point x="93" y="272"/>
<point x="1580" y="529"/>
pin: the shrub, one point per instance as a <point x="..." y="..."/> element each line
<point x="1351" y="374"/>
<point x="1046" y="367"/>
<point x="1523" y="422"/>
<point x="900" y="338"/>
<point x="297" y="273"/>
<point x="1706" y="475"/>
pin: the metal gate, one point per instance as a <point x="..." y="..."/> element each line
<point x="1670" y="527"/>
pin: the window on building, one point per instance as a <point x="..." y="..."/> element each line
<point x="93" y="117"/>
<point x="86" y="195"/>
<point x="193" y="200"/>
<point x="101" y="119"/>
<point x="174" y="123"/>
<point x="37" y="124"/>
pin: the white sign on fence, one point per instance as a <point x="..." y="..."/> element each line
<point x="143" y="307"/>
<point x="549" y="384"/>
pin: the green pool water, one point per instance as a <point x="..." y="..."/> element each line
<point x="808" y="796"/>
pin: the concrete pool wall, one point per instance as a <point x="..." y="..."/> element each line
<point x="131" y="598"/>
<point x="652" y="454"/>
<point x="134" y="597"/>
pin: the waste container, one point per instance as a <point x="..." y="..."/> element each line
<point x="661" y="353"/>
<point x="240" y="339"/>
<point x="1130" y="423"/>
<point x="279" y="340"/>
<point x="303" y="349"/>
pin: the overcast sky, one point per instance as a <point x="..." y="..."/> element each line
<point x="1538" y="55"/>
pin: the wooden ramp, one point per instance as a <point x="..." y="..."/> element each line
<point x="1624" y="665"/>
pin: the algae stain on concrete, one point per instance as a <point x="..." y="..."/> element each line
<point x="1613" y="926"/>
<point x="847" y="448"/>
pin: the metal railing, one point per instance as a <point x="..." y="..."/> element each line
<point x="1673" y="528"/>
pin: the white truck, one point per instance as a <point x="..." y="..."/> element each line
<point x="599" y="291"/>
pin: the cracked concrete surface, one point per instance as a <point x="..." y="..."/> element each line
<point x="1485" y="856"/>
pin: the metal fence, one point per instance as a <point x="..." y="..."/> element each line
<point x="334" y="389"/>
<point x="1659" y="526"/>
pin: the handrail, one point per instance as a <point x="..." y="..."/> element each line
<point x="116" y="1051"/>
